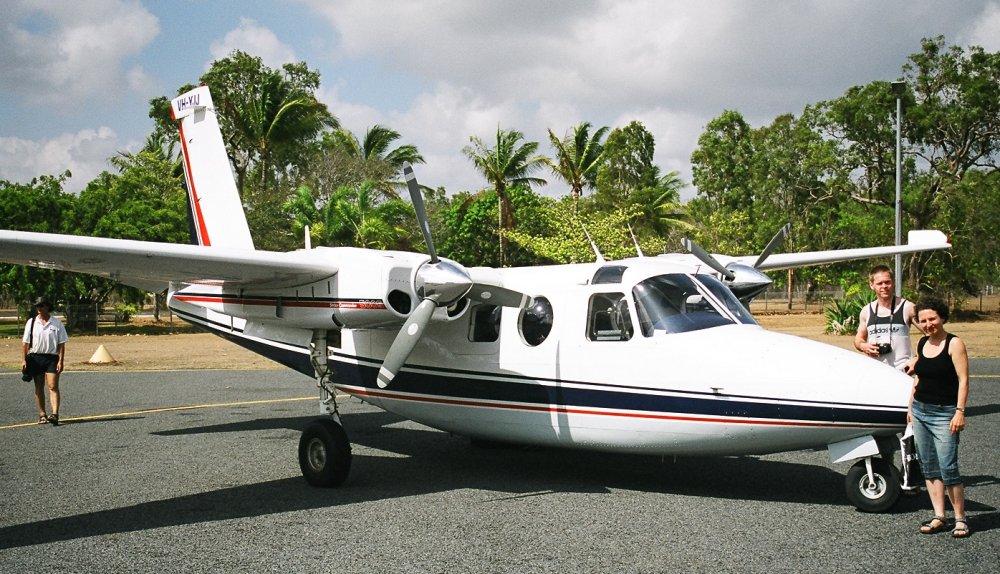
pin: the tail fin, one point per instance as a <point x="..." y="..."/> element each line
<point x="214" y="202"/>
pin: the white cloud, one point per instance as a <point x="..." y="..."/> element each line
<point x="255" y="40"/>
<point x="986" y="29"/>
<point x="84" y="154"/>
<point x="673" y="65"/>
<point x="59" y="52"/>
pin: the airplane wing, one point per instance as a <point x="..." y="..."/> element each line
<point x="916" y="241"/>
<point x="152" y="266"/>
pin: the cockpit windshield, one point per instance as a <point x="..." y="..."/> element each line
<point x="677" y="302"/>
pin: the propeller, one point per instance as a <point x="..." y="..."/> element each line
<point x="745" y="281"/>
<point x="707" y="258"/>
<point x="439" y="283"/>
<point x="417" y="199"/>
<point x="772" y="244"/>
<point x="405" y="341"/>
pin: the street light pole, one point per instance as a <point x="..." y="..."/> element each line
<point x="898" y="88"/>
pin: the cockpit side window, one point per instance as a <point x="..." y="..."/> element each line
<point x="608" y="318"/>
<point x="676" y="303"/>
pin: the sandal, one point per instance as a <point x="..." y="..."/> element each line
<point x="54" y="419"/>
<point x="960" y="531"/>
<point x="929" y="527"/>
<point x="42" y="419"/>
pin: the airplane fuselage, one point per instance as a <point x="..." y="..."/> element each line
<point x="604" y="375"/>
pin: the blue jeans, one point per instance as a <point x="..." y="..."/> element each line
<point x="937" y="446"/>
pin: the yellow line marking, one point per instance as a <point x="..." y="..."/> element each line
<point x="168" y="409"/>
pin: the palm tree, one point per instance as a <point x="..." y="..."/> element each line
<point x="507" y="164"/>
<point x="267" y="115"/>
<point x="660" y="206"/>
<point x="354" y="215"/>
<point x="578" y="157"/>
<point x="375" y="151"/>
<point x="358" y="215"/>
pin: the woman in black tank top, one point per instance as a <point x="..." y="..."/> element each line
<point x="937" y="412"/>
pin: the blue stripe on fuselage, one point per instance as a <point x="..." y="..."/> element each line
<point x="472" y="386"/>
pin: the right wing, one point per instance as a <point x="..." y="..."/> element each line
<point x="152" y="266"/>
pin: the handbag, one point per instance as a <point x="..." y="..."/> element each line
<point x="28" y="372"/>
<point x="911" y="476"/>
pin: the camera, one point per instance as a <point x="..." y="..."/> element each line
<point x="884" y="348"/>
<point x="26" y="376"/>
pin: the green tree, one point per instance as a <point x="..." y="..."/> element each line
<point x="627" y="165"/>
<point x="722" y="164"/>
<point x="508" y="163"/>
<point x="355" y="216"/>
<point x="562" y="238"/>
<point x="267" y="116"/>
<point x="375" y="157"/>
<point x="578" y="157"/>
<point x="951" y="122"/>
<point x="37" y="206"/>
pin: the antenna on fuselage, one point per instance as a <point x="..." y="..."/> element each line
<point x="308" y="238"/>
<point x="597" y="252"/>
<point x="638" y="249"/>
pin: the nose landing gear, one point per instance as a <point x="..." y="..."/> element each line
<point x="873" y="485"/>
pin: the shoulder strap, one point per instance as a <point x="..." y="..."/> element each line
<point x="920" y="345"/>
<point x="31" y="333"/>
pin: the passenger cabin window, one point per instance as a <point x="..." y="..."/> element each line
<point x="484" y="324"/>
<point x="608" y="318"/>
<point x="609" y="274"/>
<point x="676" y="303"/>
<point x="536" y="321"/>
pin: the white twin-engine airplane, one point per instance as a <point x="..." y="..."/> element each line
<point x="649" y="355"/>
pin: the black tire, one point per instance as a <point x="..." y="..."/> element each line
<point x="869" y="497"/>
<point x="324" y="454"/>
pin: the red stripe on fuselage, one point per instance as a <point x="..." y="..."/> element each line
<point x="365" y="304"/>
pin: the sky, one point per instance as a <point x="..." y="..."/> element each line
<point x="76" y="77"/>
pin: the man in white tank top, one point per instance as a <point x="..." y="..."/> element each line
<point x="884" y="324"/>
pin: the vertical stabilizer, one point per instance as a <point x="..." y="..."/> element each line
<point x="216" y="210"/>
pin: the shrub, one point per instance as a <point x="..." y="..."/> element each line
<point x="842" y="315"/>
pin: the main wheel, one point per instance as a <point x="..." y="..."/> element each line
<point x="869" y="496"/>
<point x="324" y="454"/>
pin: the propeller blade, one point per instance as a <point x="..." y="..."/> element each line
<point x="774" y="242"/>
<point x="706" y="258"/>
<point x="405" y="340"/>
<point x="418" y="205"/>
<point x="499" y="296"/>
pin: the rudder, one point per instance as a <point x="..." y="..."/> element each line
<point x="214" y="202"/>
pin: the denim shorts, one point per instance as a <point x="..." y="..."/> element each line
<point x="937" y="446"/>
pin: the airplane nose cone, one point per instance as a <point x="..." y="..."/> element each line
<point x="787" y="366"/>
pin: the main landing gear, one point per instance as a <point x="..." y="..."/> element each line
<point x="324" y="451"/>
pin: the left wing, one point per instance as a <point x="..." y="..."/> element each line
<point x="916" y="241"/>
<point x="152" y="266"/>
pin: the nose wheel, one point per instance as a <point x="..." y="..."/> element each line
<point x="873" y="485"/>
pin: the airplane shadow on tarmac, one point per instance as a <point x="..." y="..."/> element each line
<point x="437" y="462"/>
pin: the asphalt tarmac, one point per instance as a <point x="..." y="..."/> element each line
<point x="197" y="471"/>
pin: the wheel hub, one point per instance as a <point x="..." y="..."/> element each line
<point x="316" y="455"/>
